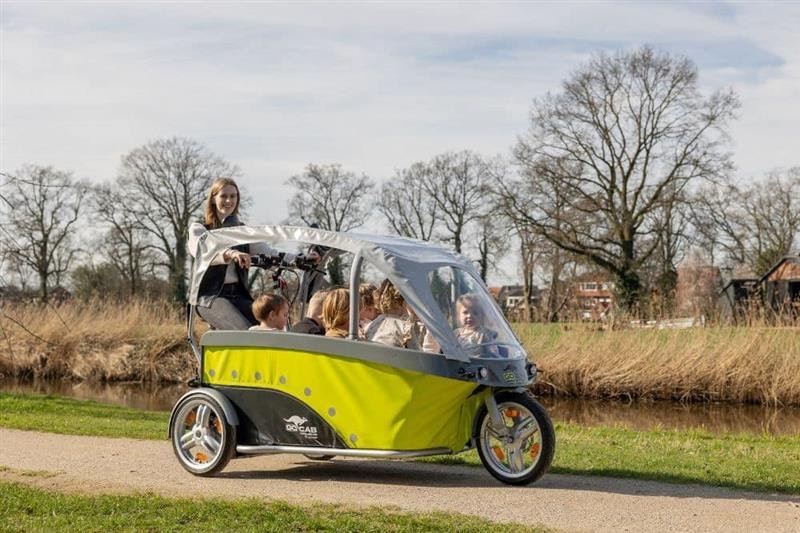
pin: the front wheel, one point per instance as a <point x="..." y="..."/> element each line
<point x="202" y="437"/>
<point x="521" y="451"/>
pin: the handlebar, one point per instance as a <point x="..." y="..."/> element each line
<point x="266" y="262"/>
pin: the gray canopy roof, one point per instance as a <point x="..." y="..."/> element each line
<point x="406" y="262"/>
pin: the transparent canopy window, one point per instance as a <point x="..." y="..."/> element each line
<point x="476" y="321"/>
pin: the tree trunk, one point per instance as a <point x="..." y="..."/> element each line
<point x="629" y="288"/>
<point x="43" y="295"/>
<point x="177" y="274"/>
<point x="553" y="305"/>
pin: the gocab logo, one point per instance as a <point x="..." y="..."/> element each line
<point x="296" y="424"/>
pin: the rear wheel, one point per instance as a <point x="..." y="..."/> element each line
<point x="202" y="438"/>
<point x="521" y="450"/>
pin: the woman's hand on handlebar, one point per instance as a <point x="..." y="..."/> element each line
<point x="241" y="258"/>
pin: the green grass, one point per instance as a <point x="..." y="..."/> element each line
<point x="75" y="417"/>
<point x="24" y="508"/>
<point x="753" y="462"/>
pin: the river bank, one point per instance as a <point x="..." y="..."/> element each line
<point x="717" y="418"/>
<point x="144" y="342"/>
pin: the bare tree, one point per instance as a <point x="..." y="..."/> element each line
<point x="165" y="184"/>
<point x="409" y="209"/>
<point x="457" y="182"/>
<point x="671" y="226"/>
<point x="331" y="198"/>
<point x="528" y="258"/>
<point x="751" y="225"/>
<point x="126" y="246"/>
<point x="604" y="158"/>
<point x="42" y="207"/>
<point x="492" y="239"/>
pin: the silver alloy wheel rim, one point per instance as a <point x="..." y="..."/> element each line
<point x="198" y="435"/>
<point x="521" y="447"/>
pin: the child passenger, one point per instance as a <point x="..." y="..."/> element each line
<point x="470" y="315"/>
<point x="271" y="311"/>
<point x="397" y="325"/>
<point x="336" y="313"/>
<point x="311" y="324"/>
<point x="367" y="308"/>
<point x="392" y="326"/>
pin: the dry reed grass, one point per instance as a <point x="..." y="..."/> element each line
<point x="755" y="364"/>
<point x="96" y="340"/>
<point x="144" y="341"/>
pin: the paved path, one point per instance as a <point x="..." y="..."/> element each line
<point x="105" y="465"/>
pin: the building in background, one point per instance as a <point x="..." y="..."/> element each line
<point x="593" y="295"/>
<point x="780" y="286"/>
<point x="511" y="299"/>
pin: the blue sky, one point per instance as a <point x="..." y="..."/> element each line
<point x="373" y="86"/>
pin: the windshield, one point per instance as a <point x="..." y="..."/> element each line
<point x="476" y="321"/>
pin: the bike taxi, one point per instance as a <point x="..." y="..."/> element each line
<point x="262" y="392"/>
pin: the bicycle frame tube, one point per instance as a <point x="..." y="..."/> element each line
<point x="355" y="274"/>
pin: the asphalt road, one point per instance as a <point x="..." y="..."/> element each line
<point x="572" y="503"/>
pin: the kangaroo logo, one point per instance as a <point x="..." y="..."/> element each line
<point x="296" y="420"/>
<point x="295" y="424"/>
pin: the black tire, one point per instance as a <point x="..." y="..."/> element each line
<point x="202" y="438"/>
<point x="319" y="457"/>
<point x="524" y="459"/>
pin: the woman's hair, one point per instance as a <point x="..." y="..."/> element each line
<point x="210" y="214"/>
<point x="336" y="310"/>
<point x="390" y="298"/>
<point x="366" y="295"/>
<point x="266" y="304"/>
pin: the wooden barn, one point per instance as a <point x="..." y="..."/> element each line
<point x="780" y="286"/>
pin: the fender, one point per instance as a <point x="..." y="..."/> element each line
<point x="227" y="406"/>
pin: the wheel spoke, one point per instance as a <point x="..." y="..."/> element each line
<point x="203" y="415"/>
<point x="516" y="460"/>
<point x="187" y="441"/>
<point x="211" y="444"/>
<point x="525" y="429"/>
<point x="204" y="448"/>
<point x="494" y="432"/>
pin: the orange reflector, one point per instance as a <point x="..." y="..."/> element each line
<point x="218" y="426"/>
<point x="498" y="452"/>
<point x="511" y="413"/>
<point x="200" y="457"/>
<point x="535" y="450"/>
<point x="191" y="418"/>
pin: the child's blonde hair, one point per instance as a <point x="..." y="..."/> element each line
<point x="266" y="304"/>
<point x="390" y="298"/>
<point x="366" y="295"/>
<point x="336" y="312"/>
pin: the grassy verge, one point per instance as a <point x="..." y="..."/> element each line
<point x="759" y="463"/>
<point x="54" y="414"/>
<point x="30" y="509"/>
<point x="752" y="462"/>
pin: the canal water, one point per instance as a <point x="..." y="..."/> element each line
<point x="714" y="417"/>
